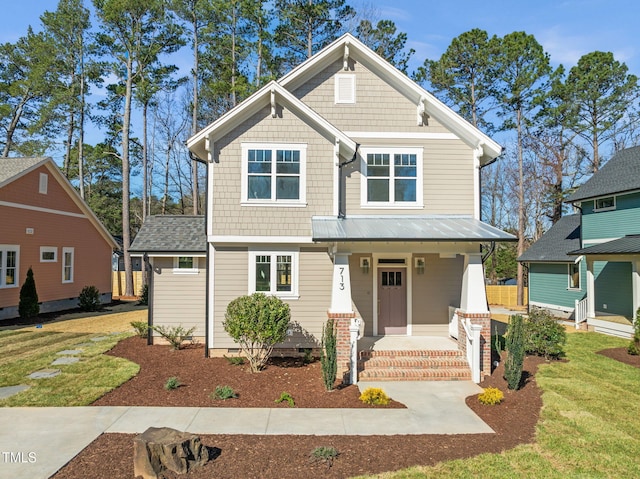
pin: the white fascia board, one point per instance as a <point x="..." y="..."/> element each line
<point x="398" y="80"/>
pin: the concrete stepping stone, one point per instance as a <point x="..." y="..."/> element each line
<point x="70" y="352"/>
<point x="85" y="345"/>
<point x="8" y="391"/>
<point x="99" y="338"/>
<point x="44" y="374"/>
<point x="65" y="360"/>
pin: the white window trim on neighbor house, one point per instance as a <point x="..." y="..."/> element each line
<point x="573" y="287"/>
<point x="273" y="254"/>
<point x="604" y="208"/>
<point x="68" y="252"/>
<point x="392" y="203"/>
<point x="4" y="266"/>
<point x="46" y="250"/>
<point x="274" y="147"/>
<point x="182" y="267"/>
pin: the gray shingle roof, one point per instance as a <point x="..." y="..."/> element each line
<point x="630" y="244"/>
<point x="405" y="228"/>
<point x="171" y="233"/>
<point x="11" y="167"/>
<point x="556" y="243"/>
<point x="621" y="173"/>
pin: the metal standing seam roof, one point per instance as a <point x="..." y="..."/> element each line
<point x="620" y="174"/>
<point x="555" y="244"/>
<point x="171" y="233"/>
<point x="629" y="244"/>
<point x="405" y="228"/>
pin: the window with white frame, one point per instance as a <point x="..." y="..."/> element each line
<point x="574" y="275"/>
<point x="185" y="264"/>
<point x="67" y="265"/>
<point x="606" y="203"/>
<point x="274" y="173"/>
<point x="48" y="254"/>
<point x="392" y="177"/>
<point x="9" y="263"/>
<point x="274" y="272"/>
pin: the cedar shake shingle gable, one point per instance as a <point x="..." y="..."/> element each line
<point x="620" y="174"/>
<point x="171" y="233"/>
<point x="555" y="244"/>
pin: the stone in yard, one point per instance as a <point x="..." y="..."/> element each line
<point x="44" y="374"/>
<point x="8" y="391"/>
<point x="159" y="449"/>
<point x="99" y="338"/>
<point x="65" y="360"/>
<point x="70" y="352"/>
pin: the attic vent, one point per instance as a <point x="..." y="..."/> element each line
<point x="345" y="88"/>
<point x="44" y="182"/>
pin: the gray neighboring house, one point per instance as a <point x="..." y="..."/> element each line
<point x="175" y="249"/>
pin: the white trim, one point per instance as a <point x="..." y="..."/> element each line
<point x="259" y="239"/>
<point x="210" y="314"/>
<point x="273" y="147"/>
<point x="569" y="287"/>
<point x="49" y="249"/>
<point x="401" y="135"/>
<point x="72" y="268"/>
<point x="593" y="242"/>
<point x="477" y="154"/>
<point x="608" y="208"/>
<point x="43" y="184"/>
<point x="4" y="248"/>
<point x="392" y="204"/>
<point x="43" y="210"/>
<point x="350" y="98"/>
<point x="168" y="255"/>
<point x="273" y="253"/>
<point x="192" y="270"/>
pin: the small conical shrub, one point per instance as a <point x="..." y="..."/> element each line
<point x="329" y="354"/>
<point x="28" y="306"/>
<point x="515" y="339"/>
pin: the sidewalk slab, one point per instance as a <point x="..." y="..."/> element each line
<point x="215" y="420"/>
<point x="138" y="419"/>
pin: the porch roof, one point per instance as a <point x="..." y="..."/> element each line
<point x="171" y="234"/>
<point x="629" y="244"/>
<point x="405" y="228"/>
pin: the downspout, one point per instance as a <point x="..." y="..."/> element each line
<point x="341" y="213"/>
<point x="147" y="266"/>
<point x="206" y="221"/>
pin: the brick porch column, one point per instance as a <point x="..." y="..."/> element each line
<point x="484" y="320"/>
<point x="342" y="322"/>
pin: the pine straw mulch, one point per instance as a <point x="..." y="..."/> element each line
<point x="245" y="456"/>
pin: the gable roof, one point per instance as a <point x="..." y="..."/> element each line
<point x="555" y="244"/>
<point x="171" y="234"/>
<point x="620" y="174"/>
<point x="12" y="169"/>
<point x="398" y="80"/>
<point x="271" y="92"/>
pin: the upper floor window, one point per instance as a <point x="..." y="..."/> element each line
<point x="9" y="256"/>
<point x="67" y="265"/>
<point x="574" y="275"/>
<point x="392" y="177"/>
<point x="606" y="203"/>
<point x="274" y="174"/>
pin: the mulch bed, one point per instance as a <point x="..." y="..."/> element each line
<point x="621" y="354"/>
<point x="243" y="456"/>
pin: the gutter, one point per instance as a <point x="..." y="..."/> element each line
<point x="341" y="213"/>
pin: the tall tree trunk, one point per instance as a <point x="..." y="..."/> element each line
<point x="596" y="155"/>
<point x="521" y="218"/>
<point x="194" y="122"/>
<point x="233" y="55"/>
<point x="68" y="144"/>
<point x="126" y="226"/>
<point x="165" y="194"/>
<point x="81" y="128"/>
<point x="145" y="161"/>
<point x="17" y="114"/>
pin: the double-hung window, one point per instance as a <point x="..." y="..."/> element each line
<point x="274" y="272"/>
<point x="274" y="174"/>
<point x="67" y="265"/>
<point x="392" y="177"/>
<point x="9" y="257"/>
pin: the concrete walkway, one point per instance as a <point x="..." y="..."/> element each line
<point x="36" y="442"/>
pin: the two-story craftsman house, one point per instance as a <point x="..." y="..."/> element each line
<point x="349" y="191"/>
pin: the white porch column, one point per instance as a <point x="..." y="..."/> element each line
<point x="635" y="285"/>
<point x="591" y="295"/>
<point x="473" y="298"/>
<point x="341" y="287"/>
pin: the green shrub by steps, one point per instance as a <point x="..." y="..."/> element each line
<point x="515" y="346"/>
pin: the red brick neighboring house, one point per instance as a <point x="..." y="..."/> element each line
<point x="45" y="225"/>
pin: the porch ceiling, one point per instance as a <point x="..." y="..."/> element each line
<point x="405" y="228"/>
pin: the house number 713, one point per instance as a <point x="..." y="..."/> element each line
<point x="341" y="279"/>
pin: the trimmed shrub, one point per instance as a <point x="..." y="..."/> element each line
<point x="329" y="354"/>
<point x="28" y="306"/>
<point x="491" y="396"/>
<point x="374" y="396"/>
<point x="545" y="336"/>
<point x="634" y="345"/>
<point x="175" y="335"/>
<point x="285" y="396"/>
<point x="142" y="328"/>
<point x="224" y="392"/>
<point x="172" y="383"/>
<point x="257" y="323"/>
<point x="89" y="299"/>
<point x="515" y="339"/>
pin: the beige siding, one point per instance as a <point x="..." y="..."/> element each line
<point x="434" y="291"/>
<point x="230" y="218"/>
<point x="362" y="292"/>
<point x="308" y="312"/>
<point x="179" y="299"/>
<point x="378" y="106"/>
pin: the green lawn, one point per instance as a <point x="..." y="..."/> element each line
<point x="589" y="425"/>
<point x="25" y="351"/>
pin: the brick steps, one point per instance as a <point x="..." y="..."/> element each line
<point x="427" y="365"/>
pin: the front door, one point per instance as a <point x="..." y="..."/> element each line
<point x="392" y="301"/>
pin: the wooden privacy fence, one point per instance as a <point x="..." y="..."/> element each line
<point x="118" y="283"/>
<point x="505" y="295"/>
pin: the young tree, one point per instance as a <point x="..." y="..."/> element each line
<point x="602" y="91"/>
<point x="384" y="40"/>
<point x="134" y="34"/>
<point x="523" y="68"/>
